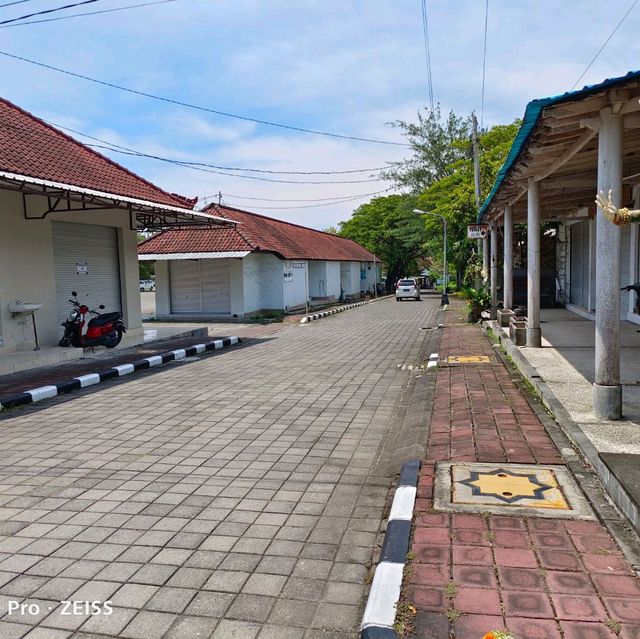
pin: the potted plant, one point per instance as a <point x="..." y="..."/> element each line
<point x="478" y="300"/>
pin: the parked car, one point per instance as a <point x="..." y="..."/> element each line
<point x="408" y="288"/>
<point x="147" y="285"/>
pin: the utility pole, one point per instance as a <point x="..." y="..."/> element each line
<point x="219" y="198"/>
<point x="483" y="245"/>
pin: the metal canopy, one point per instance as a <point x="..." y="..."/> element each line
<point x="41" y="197"/>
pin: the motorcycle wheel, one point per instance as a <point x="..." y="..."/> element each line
<point x="65" y="341"/>
<point x="114" y="339"/>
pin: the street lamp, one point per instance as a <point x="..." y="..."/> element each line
<point x="445" y="297"/>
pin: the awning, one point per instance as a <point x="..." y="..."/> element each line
<point x="216" y="255"/>
<point x="144" y="214"/>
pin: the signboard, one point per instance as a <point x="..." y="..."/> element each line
<point x="298" y="264"/>
<point x="477" y="231"/>
<point x="82" y="268"/>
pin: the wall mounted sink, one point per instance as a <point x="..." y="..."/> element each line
<point x="23" y="307"/>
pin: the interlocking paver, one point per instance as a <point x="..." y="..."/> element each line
<point x="540" y="578"/>
<point x="239" y="495"/>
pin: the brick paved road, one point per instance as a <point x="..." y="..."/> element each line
<point x="229" y="497"/>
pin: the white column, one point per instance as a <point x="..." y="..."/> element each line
<point x="494" y="270"/>
<point x="485" y="259"/>
<point x="507" y="290"/>
<point x="607" y="391"/>
<point x="534" y="334"/>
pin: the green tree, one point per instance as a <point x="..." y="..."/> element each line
<point x="437" y="144"/>
<point x="387" y="227"/>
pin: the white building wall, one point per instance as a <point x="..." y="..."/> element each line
<point x="27" y="270"/>
<point x="236" y="277"/>
<point x="333" y="279"/>
<point x="295" y="287"/>
<point x="317" y="278"/>
<point x="163" y="291"/>
<point x="356" y="286"/>
<point x="262" y="282"/>
<point x="370" y="280"/>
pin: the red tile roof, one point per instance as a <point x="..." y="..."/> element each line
<point x="257" y="233"/>
<point x="31" y="147"/>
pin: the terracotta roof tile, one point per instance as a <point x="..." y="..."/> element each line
<point x="30" y="147"/>
<point x="257" y="232"/>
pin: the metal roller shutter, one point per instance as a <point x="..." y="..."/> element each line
<point x="579" y="256"/>
<point x="184" y="282"/>
<point x="200" y="286"/>
<point x="85" y="260"/>
<point x="215" y="282"/>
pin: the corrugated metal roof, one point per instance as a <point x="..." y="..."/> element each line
<point x="530" y="120"/>
<point x="215" y="255"/>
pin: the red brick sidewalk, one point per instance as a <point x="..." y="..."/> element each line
<point x="538" y="578"/>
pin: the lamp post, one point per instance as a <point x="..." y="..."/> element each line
<point x="445" y="297"/>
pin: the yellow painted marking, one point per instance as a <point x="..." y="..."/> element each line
<point x="515" y="485"/>
<point x="469" y="359"/>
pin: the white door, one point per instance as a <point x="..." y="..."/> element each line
<point x="200" y="286"/>
<point x="85" y="260"/>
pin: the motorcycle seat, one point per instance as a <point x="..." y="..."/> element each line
<point x="105" y="318"/>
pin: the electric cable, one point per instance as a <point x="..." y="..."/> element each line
<point x="484" y="62"/>
<point x="86" y="13"/>
<point x="8" y="4"/>
<point x="314" y="206"/>
<point x="318" y="199"/>
<point x="196" y="107"/>
<point x="39" y="13"/>
<point x="606" y="42"/>
<point x="425" y="34"/>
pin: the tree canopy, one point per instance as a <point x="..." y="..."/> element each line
<point x="438" y="178"/>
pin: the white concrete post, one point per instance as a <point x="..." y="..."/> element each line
<point x="485" y="259"/>
<point x="507" y="290"/>
<point x="494" y="270"/>
<point x="607" y="391"/>
<point x="534" y="334"/>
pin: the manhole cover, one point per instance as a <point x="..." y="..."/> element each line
<point x="517" y="489"/>
<point x="468" y="359"/>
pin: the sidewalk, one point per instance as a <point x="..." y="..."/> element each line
<point x="548" y="576"/>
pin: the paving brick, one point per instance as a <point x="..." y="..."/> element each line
<point x="580" y="630"/>
<point x="478" y="601"/>
<point x="527" y="604"/>
<point x="476" y="625"/>
<point x="578" y="607"/>
<point x="533" y="628"/>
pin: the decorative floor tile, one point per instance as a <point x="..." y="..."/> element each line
<point x="509" y="489"/>
<point x="468" y="359"/>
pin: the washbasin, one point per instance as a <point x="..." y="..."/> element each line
<point x="23" y="307"/>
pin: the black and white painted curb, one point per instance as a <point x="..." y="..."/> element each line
<point x="316" y="316"/>
<point x="46" y="392"/>
<point x="433" y="361"/>
<point x="380" y="613"/>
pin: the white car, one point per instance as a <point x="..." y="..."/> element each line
<point x="147" y="285"/>
<point x="408" y="289"/>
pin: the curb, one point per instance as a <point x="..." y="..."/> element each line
<point x="380" y="613"/>
<point x="315" y="316"/>
<point x="89" y="379"/>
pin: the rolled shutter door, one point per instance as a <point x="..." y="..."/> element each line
<point x="85" y="258"/>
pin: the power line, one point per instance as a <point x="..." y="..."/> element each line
<point x="195" y="106"/>
<point x="8" y="4"/>
<point x="314" y="206"/>
<point x="39" y="13"/>
<point x="606" y="42"/>
<point x="86" y="13"/>
<point x="484" y="62"/>
<point x="118" y="148"/>
<point x="425" y="34"/>
<point x="318" y="199"/>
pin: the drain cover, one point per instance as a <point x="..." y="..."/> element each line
<point x="517" y="489"/>
<point x="468" y="359"/>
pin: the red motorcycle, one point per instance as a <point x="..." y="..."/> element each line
<point x="105" y="329"/>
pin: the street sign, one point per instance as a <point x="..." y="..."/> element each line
<point x="477" y="231"/>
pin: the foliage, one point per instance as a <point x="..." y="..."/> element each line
<point x="147" y="270"/>
<point x="332" y="230"/>
<point x="388" y="227"/>
<point x="473" y="270"/>
<point x="453" y="196"/>
<point x="478" y="300"/>
<point x="435" y="146"/>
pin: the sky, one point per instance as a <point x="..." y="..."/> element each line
<point x="349" y="67"/>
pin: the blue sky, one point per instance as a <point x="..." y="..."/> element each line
<point x="347" y="66"/>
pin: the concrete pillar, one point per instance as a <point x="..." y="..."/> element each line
<point x="494" y="270"/>
<point x="607" y="391"/>
<point x="485" y="259"/>
<point x="507" y="291"/>
<point x="534" y="334"/>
